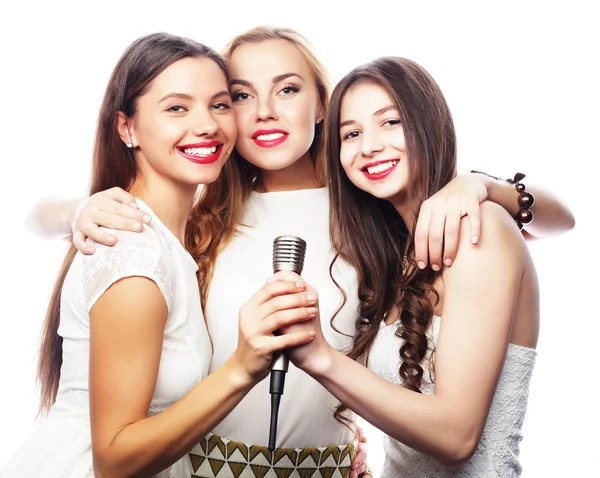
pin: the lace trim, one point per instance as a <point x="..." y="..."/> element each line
<point x="135" y="254"/>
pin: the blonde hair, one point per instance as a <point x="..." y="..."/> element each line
<point x="263" y="33"/>
<point x="218" y="213"/>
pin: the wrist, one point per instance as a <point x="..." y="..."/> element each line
<point x="74" y="213"/>
<point x="321" y="363"/>
<point x="238" y="374"/>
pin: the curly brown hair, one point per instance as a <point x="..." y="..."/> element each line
<point x="355" y="215"/>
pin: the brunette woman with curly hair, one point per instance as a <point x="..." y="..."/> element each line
<point x="441" y="361"/>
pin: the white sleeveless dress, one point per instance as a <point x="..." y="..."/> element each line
<point x="498" y="452"/>
<point x="61" y="446"/>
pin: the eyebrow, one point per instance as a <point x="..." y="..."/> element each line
<point x="379" y="112"/>
<point x="185" y="96"/>
<point x="275" y="80"/>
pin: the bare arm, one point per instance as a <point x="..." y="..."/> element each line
<point x="480" y="294"/>
<point x="114" y="208"/>
<point x="437" y="231"/>
<point x="126" y="335"/>
<point x="552" y="215"/>
<point x="52" y="218"/>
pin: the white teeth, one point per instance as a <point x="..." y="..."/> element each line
<point x="269" y="137"/>
<point x="200" y="151"/>
<point x="382" y="167"/>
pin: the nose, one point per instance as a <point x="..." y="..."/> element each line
<point x="265" y="109"/>
<point x="204" y="124"/>
<point x="371" y="143"/>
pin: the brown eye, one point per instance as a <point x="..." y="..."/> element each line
<point x="176" y="109"/>
<point x="221" y="106"/>
<point x="240" y="96"/>
<point x="290" y="89"/>
<point x="351" y="135"/>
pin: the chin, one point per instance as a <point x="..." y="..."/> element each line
<point x="272" y="164"/>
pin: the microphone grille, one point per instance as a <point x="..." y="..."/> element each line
<point x="288" y="253"/>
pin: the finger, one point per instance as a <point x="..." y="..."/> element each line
<point x="422" y="236"/>
<point x="474" y="213"/>
<point x="100" y="235"/>
<point x="115" y="221"/>
<point x="286" y="302"/>
<point x="122" y="196"/>
<point x="284" y="275"/>
<point x="362" y="468"/>
<point x="359" y="464"/>
<point x="81" y="245"/>
<point x="275" y="289"/>
<point x="293" y="339"/>
<point x="451" y="231"/>
<point x="128" y="212"/>
<point x="285" y="318"/>
<point x="436" y="237"/>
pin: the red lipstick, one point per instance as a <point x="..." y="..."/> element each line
<point x="194" y="158"/>
<point x="381" y="174"/>
<point x="269" y="143"/>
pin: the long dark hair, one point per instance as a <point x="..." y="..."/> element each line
<point x="113" y="165"/>
<point x="370" y="234"/>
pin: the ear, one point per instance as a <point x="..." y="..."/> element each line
<point x="320" y="114"/>
<point x="125" y="129"/>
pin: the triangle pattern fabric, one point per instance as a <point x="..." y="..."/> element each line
<point x="217" y="457"/>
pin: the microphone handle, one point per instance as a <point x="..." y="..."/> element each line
<point x="280" y="362"/>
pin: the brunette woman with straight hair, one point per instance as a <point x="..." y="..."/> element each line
<point x="125" y="352"/>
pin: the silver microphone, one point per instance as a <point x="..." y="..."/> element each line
<point x="288" y="254"/>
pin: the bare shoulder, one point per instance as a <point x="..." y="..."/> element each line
<point x="501" y="245"/>
<point x="498" y="229"/>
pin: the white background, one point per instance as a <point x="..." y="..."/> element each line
<point x="521" y="79"/>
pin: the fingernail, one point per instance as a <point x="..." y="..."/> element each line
<point x="147" y="218"/>
<point x="312" y="311"/>
<point x="421" y="265"/>
<point x="474" y="239"/>
<point x="136" y="225"/>
<point x="435" y="267"/>
<point x="301" y="285"/>
<point x="311" y="297"/>
<point x="448" y="261"/>
<point x="90" y="250"/>
<point x="311" y="334"/>
<point x="111" y="239"/>
<point x="134" y="205"/>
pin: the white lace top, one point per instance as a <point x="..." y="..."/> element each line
<point x="61" y="446"/>
<point x="498" y="452"/>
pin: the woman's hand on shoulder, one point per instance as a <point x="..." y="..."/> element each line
<point x="439" y="221"/>
<point x="113" y="209"/>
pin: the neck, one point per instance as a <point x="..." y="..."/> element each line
<point x="299" y="175"/>
<point x="170" y="201"/>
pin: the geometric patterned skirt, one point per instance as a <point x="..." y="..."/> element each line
<point x="219" y="457"/>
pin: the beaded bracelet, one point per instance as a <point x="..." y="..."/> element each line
<point x="526" y="200"/>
